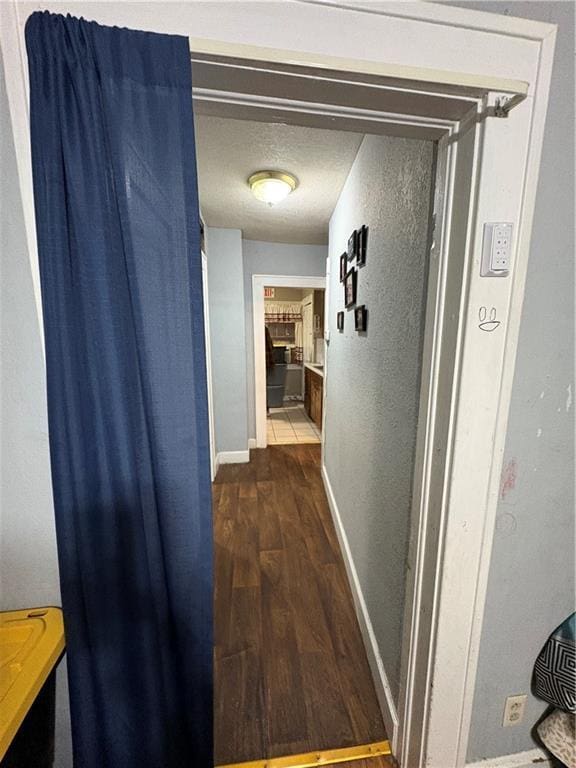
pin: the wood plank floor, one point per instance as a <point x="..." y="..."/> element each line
<point x="371" y="762"/>
<point x="291" y="673"/>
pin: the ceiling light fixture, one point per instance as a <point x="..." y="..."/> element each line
<point x="272" y="187"/>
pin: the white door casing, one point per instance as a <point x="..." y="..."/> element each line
<point x="213" y="467"/>
<point x="258" y="284"/>
<point x="326" y="346"/>
<point x="307" y="332"/>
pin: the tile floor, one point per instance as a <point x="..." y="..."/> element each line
<point x="291" y="425"/>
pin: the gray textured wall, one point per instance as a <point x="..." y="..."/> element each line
<point x="531" y="584"/>
<point x="28" y="563"/>
<point x="227" y="338"/>
<point x="262" y="258"/>
<point x="373" y="379"/>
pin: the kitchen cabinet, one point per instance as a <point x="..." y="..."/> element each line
<point x="313" y="391"/>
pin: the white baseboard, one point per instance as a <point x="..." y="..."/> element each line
<point x="232" y="457"/>
<point x="252" y="443"/>
<point x="389" y="714"/>
<point x="534" y="758"/>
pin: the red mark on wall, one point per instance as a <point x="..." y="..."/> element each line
<point x="508" y="480"/>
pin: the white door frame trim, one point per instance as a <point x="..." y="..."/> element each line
<point x="512" y="56"/>
<point x="259" y="282"/>
<point x="208" y="347"/>
<point x="436" y="77"/>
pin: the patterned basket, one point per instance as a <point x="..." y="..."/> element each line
<point x="555" y="668"/>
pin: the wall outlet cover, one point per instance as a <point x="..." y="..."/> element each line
<point x="496" y="249"/>
<point x="514" y="710"/>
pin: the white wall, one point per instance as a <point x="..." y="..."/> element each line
<point x="262" y="258"/>
<point x="531" y="584"/>
<point x="227" y="338"/>
<point x="28" y="561"/>
<point x="373" y="379"/>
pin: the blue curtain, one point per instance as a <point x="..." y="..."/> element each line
<point x="118" y="237"/>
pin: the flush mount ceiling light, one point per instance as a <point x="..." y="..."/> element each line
<point x="271" y="187"/>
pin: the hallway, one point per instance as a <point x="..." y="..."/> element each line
<point x="291" y="673"/>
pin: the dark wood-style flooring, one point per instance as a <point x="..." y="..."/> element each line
<point x="291" y="673"/>
<point x="371" y="762"/>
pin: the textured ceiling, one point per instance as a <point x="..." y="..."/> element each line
<point x="229" y="151"/>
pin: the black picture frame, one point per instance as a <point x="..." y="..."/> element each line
<point x="362" y="245"/>
<point x="343" y="266"/>
<point x="352" y="248"/>
<point x="340" y="321"/>
<point x="350" y="284"/>
<point x="360" y="318"/>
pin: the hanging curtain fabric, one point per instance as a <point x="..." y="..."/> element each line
<point x="282" y="311"/>
<point x="118" y="239"/>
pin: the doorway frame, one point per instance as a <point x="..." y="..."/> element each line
<point x="259" y="282"/>
<point x="438" y="549"/>
<point x="208" y="348"/>
<point x="524" y="51"/>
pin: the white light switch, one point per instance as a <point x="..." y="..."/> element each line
<point x="496" y="250"/>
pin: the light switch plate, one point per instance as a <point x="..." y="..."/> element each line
<point x="496" y="249"/>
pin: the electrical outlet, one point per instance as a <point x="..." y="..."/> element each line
<point x="514" y="710"/>
<point x="496" y="250"/>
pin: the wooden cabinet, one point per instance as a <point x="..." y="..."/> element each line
<point x="313" y="389"/>
<point x="316" y="400"/>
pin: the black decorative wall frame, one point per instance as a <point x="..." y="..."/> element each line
<point x="343" y="266"/>
<point x="350" y="283"/>
<point x="340" y="321"/>
<point x="362" y="245"/>
<point x="360" y="318"/>
<point x="352" y="249"/>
